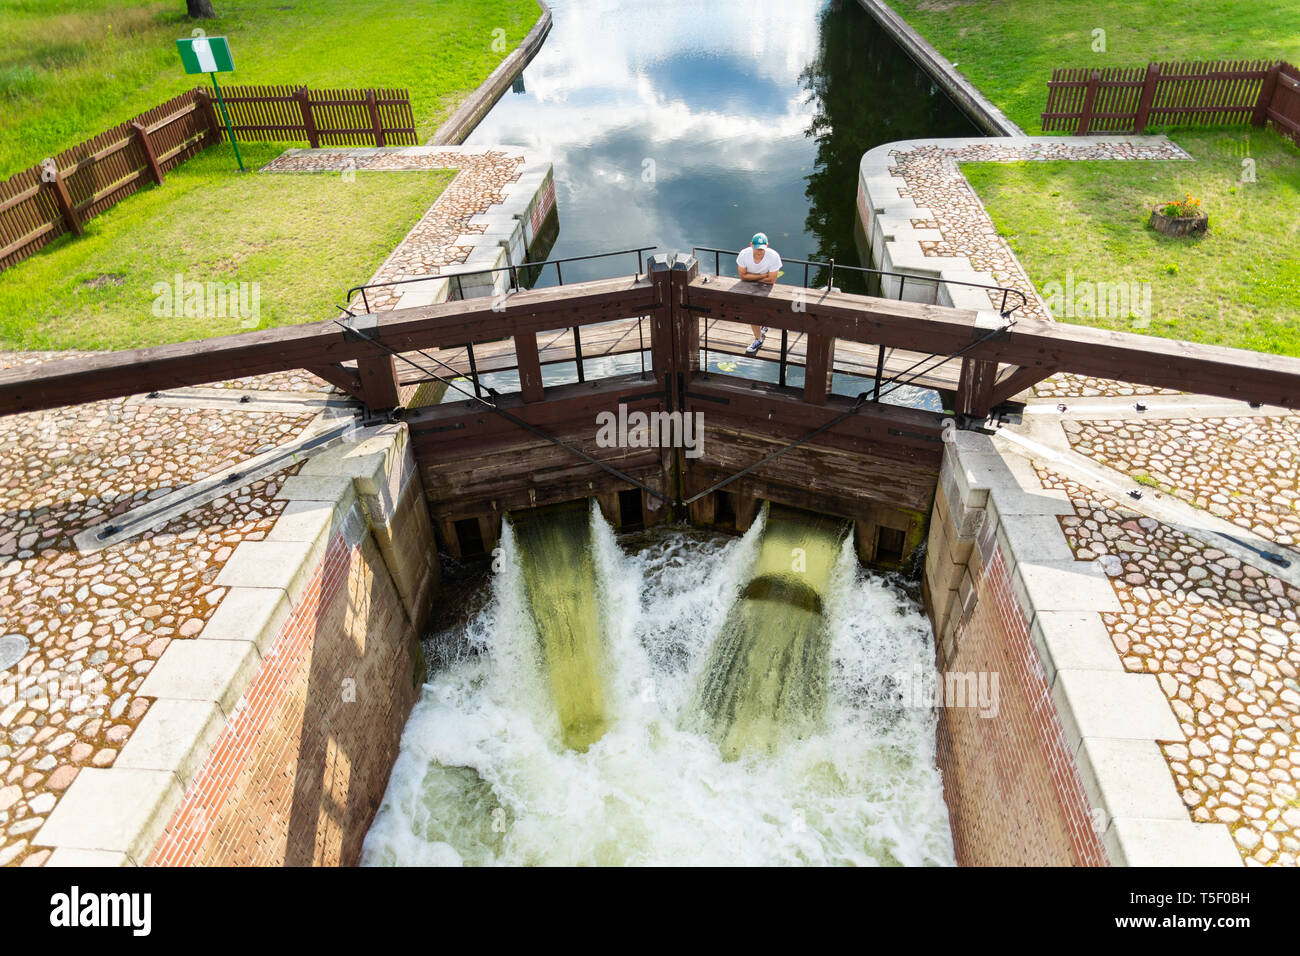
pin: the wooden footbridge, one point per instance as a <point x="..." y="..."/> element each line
<point x="524" y="442"/>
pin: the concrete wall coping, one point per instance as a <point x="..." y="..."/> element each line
<point x="1113" y="719"/>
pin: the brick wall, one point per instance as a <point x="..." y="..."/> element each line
<point x="1014" y="793"/>
<point x="302" y="762"/>
<point x="297" y="774"/>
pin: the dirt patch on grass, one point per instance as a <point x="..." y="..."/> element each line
<point x="102" y="280"/>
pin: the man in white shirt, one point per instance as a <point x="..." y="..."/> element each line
<point x="758" y="263"/>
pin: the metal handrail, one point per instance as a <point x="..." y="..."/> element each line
<point x="512" y="268"/>
<point x="901" y="276"/>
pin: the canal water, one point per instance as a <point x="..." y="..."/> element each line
<point x="682" y="123"/>
<point x="706" y="702"/>
<point x="680" y="697"/>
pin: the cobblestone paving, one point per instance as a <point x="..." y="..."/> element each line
<point x="1244" y="470"/>
<point x="1069" y="385"/>
<point x="98" y="622"/>
<point x="431" y="244"/>
<point x="1223" y="639"/>
<point x="934" y="181"/>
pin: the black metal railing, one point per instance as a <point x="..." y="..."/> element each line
<point x="1009" y="299"/>
<point x="531" y="270"/>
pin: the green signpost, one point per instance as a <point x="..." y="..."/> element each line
<point x="211" y="55"/>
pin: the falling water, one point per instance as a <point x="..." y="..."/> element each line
<point x="491" y="773"/>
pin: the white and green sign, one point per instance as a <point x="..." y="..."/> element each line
<point x="206" y="55"/>
<point x="211" y="55"/>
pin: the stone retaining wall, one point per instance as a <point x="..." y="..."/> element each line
<point x="1066" y="769"/>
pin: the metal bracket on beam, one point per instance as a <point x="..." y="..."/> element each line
<point x="355" y="325"/>
<point x="991" y="326"/>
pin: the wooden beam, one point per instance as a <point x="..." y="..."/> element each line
<point x="344" y="378"/>
<point x="1017" y="381"/>
<point x="133" y="371"/>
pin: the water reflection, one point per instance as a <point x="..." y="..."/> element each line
<point x="690" y="123"/>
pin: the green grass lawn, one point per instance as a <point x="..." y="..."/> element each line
<point x="1239" y="285"/>
<point x="70" y="69"/>
<point x="303" y="238"/>
<point x="1009" y="48"/>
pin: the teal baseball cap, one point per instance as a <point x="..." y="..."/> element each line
<point x="760" y="239"/>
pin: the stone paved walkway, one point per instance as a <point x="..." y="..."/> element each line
<point x="1223" y="637"/>
<point x="1246" y="470"/>
<point x="97" y="622"/>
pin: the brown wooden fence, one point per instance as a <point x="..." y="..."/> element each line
<point x="42" y="203"/>
<point x="1129" y="99"/>
<point x="59" y="195"/>
<point x="322" y="117"/>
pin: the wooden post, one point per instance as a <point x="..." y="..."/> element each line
<point x="308" y="120"/>
<point x="206" y="106"/>
<point x="63" y="199"/>
<point x="659" y="270"/>
<point x="820" y="363"/>
<point x="1148" y="97"/>
<point x="686" y="324"/>
<point x="1089" y="98"/>
<point x="530" y="366"/>
<point x="975" y="387"/>
<point x="150" y="158"/>
<point x="377" y="371"/>
<point x="379" y="382"/>
<point x="1267" y="90"/>
<point x="374" y="118"/>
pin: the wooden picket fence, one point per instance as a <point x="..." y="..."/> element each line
<point x="60" y="194"/>
<point x="322" y="117"/>
<point x="1128" y="100"/>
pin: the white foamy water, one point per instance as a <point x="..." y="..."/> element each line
<point x="483" y="776"/>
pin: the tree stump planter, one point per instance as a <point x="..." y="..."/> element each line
<point x="1179" y="225"/>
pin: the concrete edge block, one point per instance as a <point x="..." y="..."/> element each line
<point x="87" y="859"/>
<point x="1128" y="779"/>
<point x="175" y="736"/>
<point x="115" y="809"/>
<point x="1073" y="640"/>
<point x="1143" y="842"/>
<point x="214" y="671"/>
<point x="248" y="614"/>
<point x="1095" y="703"/>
